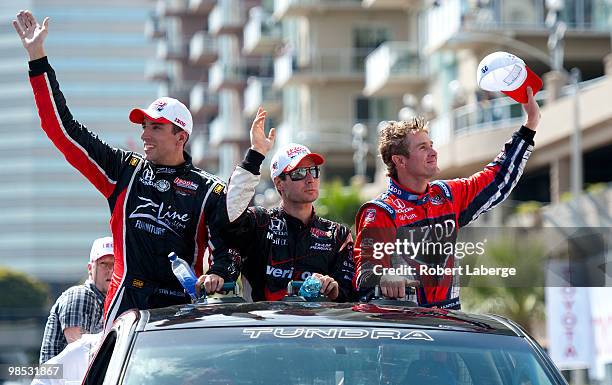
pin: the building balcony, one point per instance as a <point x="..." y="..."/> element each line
<point x="203" y="154"/>
<point x="226" y="76"/>
<point x="180" y="91"/>
<point x="394" y="68"/>
<point x="201" y="7"/>
<point x="202" y="49"/>
<point x="156" y="70"/>
<point x="261" y="34"/>
<point x="337" y="65"/>
<point x="228" y="129"/>
<point x="293" y="8"/>
<point x="261" y="92"/>
<point x="172" y="8"/>
<point x="391" y="4"/>
<point x="202" y="101"/>
<point x="228" y="17"/>
<point x="170" y="50"/>
<point x="153" y="28"/>
<point x="491" y="114"/>
<point x="460" y="24"/>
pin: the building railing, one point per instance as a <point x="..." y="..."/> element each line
<point x="260" y="25"/>
<point x="491" y="114"/>
<point x="328" y="62"/>
<point x="259" y="91"/>
<point x="201" y="96"/>
<point x="453" y="16"/>
<point x="334" y="135"/>
<point x="281" y="6"/>
<point x="156" y="70"/>
<point x="226" y="14"/>
<point x="173" y="49"/>
<point x="201" y="44"/>
<point x="220" y="73"/>
<point x="172" y="7"/>
<point x="392" y="58"/>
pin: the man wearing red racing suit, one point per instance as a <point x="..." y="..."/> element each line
<point x="159" y="202"/>
<point x="406" y="226"/>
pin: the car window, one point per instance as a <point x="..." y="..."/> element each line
<point x="322" y="355"/>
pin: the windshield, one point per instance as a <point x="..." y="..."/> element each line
<point x="331" y="355"/>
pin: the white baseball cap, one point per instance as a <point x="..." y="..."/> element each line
<point x="502" y="71"/>
<point x="101" y="247"/>
<point x="289" y="156"/>
<point x="165" y="110"/>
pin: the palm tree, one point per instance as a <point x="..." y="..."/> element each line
<point x="520" y="298"/>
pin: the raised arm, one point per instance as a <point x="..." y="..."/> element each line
<point x="245" y="177"/>
<point x="31" y="33"/>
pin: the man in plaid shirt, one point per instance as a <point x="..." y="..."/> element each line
<point x="80" y="309"/>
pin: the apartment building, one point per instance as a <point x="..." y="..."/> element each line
<point x="321" y="72"/>
<point x="468" y="126"/>
<point x="342" y="62"/>
<point x="50" y="213"/>
<point x="202" y="62"/>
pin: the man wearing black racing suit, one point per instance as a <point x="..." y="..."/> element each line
<point x="289" y="242"/>
<point x="159" y="202"/>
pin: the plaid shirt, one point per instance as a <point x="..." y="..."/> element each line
<point x="80" y="306"/>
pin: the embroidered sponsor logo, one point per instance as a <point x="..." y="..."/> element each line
<point x="162" y="185"/>
<point x="294" y="151"/>
<point x="370" y="215"/>
<point x="180" y="122"/>
<point x="133" y="161"/>
<point x="321" y="246"/>
<point x="320" y="233"/>
<point x="395" y="190"/>
<point x="149" y="228"/>
<point x="277" y="225"/>
<point x="160" y="214"/>
<point x="399" y="204"/>
<point x="137" y="283"/>
<point x="436" y="200"/>
<point x="160" y="105"/>
<point x="407" y="217"/>
<point x="218" y="189"/>
<point x="186" y="184"/>
<point x="367" y="243"/>
<point x="166" y="170"/>
<point x="148" y="174"/>
<point x="277" y="272"/>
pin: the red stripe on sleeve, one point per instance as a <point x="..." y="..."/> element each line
<point x="116" y="225"/>
<point x="52" y="125"/>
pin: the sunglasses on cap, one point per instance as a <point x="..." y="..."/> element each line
<point x="300" y="173"/>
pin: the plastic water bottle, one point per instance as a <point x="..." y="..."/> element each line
<point x="184" y="274"/>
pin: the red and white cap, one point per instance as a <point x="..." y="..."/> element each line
<point x="101" y="247"/>
<point x="502" y="71"/>
<point x="165" y="110"/>
<point x="288" y="157"/>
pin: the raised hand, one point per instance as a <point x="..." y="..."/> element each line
<point x="259" y="141"/>
<point x="31" y="33"/>
<point x="532" y="110"/>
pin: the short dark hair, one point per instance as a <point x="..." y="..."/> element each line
<point x="176" y="129"/>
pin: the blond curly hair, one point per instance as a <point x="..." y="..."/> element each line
<point x="392" y="139"/>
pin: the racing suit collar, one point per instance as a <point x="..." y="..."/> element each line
<point x="293" y="221"/>
<point x="180" y="169"/>
<point x="395" y="188"/>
